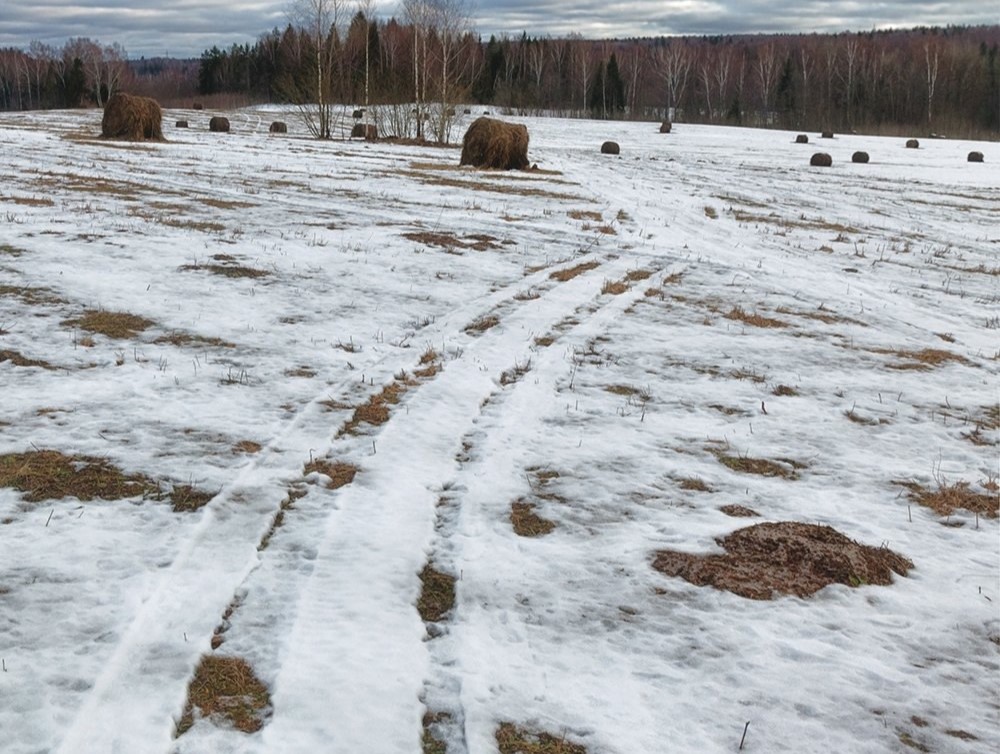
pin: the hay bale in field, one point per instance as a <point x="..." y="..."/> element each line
<point x="467" y="111"/>
<point x="666" y="126"/>
<point x="610" y="147"/>
<point x="278" y="127"/>
<point x="181" y="124"/>
<point x="975" y="156"/>
<point x="859" y="157"/>
<point x="366" y="131"/>
<point x="912" y="144"/>
<point x="197" y="106"/>
<point x="490" y="143"/>
<point x="358" y="114"/>
<point x="132" y="118"/>
<point x="826" y="135"/>
<point x="219" y="124"/>
<point x="821" y="160"/>
<point x="801" y="139"/>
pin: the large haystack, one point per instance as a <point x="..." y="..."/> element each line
<point x="666" y="126"/>
<point x="975" y="156"/>
<point x="821" y="160"/>
<point x="278" y="127"/>
<point x="610" y="147"/>
<point x="491" y="143"/>
<point x="132" y="118"/>
<point x="859" y="157"/>
<point x="218" y="124"/>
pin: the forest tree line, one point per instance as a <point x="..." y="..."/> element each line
<point x="942" y="80"/>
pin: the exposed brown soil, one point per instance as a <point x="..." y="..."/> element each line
<point x="785" y="558"/>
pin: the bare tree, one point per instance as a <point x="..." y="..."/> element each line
<point x="931" y="58"/>
<point x="766" y="71"/>
<point x="321" y="20"/>
<point x="674" y="63"/>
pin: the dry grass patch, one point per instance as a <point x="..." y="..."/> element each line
<point x="526" y="522"/>
<point x="51" y="475"/>
<point x="477" y="242"/>
<point x="694" y="484"/>
<point x="514" y="740"/>
<point x="225" y="689"/>
<point x="19" y="360"/>
<point x="184" y="498"/>
<point x="784" y="468"/>
<point x="30" y="201"/>
<point x="545" y="340"/>
<point x="482" y="324"/>
<point x="784" y="390"/>
<point x="340" y="474"/>
<point x="119" y="325"/>
<point x="247" y="446"/>
<point x="945" y="499"/>
<point x="922" y="360"/>
<point x="188" y="339"/>
<point x="585" y="214"/>
<point x="757" y="320"/>
<point x="569" y="273"/>
<point x="226" y="270"/>
<point x="375" y="411"/>
<point x="300" y="371"/>
<point x="209" y="201"/>
<point x="785" y="558"/>
<point x="515" y="373"/>
<point x="739" y="511"/>
<point x="437" y="594"/>
<point x="430" y="743"/>
<point x="515" y="189"/>
<point x="614" y="288"/>
<point x="633" y="276"/>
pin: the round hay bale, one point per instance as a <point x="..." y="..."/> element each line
<point x="278" y="128"/>
<point x="467" y="111"/>
<point x="359" y="114"/>
<point x="610" y="147"/>
<point x="491" y="143"/>
<point x="859" y="157"/>
<point x="181" y="124"/>
<point x="826" y="135"/>
<point x="975" y="156"/>
<point x="801" y="139"/>
<point x="450" y="112"/>
<point x="197" y="106"/>
<point x="912" y="144"/>
<point x="219" y="124"/>
<point x="666" y="126"/>
<point x="821" y="160"/>
<point x="132" y="118"/>
<point x="366" y="131"/>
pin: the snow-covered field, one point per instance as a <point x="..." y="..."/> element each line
<point x="842" y="323"/>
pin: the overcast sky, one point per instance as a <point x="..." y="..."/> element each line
<point x="183" y="28"/>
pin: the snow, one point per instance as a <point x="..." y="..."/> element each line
<point x="106" y="606"/>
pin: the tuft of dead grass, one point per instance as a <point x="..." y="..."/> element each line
<point x="20" y="360"/>
<point x="226" y="270"/>
<point x="568" y="273"/>
<point x="375" y="411"/>
<point x="184" y="498"/>
<point x="757" y="320"/>
<point x="633" y="276"/>
<point x="437" y="594"/>
<point x="585" y="214"/>
<point x="226" y="689"/>
<point x="52" y="475"/>
<point x="614" y="287"/>
<point x="945" y="499"/>
<point x="526" y="522"/>
<point x="512" y="739"/>
<point x="784" y="390"/>
<point x="784" y="468"/>
<point x="515" y="373"/>
<point x="247" y="446"/>
<point x="189" y="339"/>
<point x="118" y="325"/>
<point x="785" y="558"/>
<point x="694" y="484"/>
<point x="922" y="360"/>
<point x="739" y="511"/>
<point x="340" y="474"/>
<point x="482" y="324"/>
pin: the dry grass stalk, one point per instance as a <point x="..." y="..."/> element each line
<point x="614" y="288"/>
<point x="490" y="143"/>
<point x="757" y="320"/>
<point x="948" y="498"/>
<point x="785" y="558"/>
<point x="120" y="325"/>
<point x="515" y="373"/>
<point x="20" y="360"/>
<point x="51" y="475"/>
<point x="132" y="118"/>
<point x="526" y="522"/>
<point x="514" y="740"/>
<point x="340" y="474"/>
<point x="437" y="594"/>
<point x="739" y="511"/>
<point x="225" y="688"/>
<point x="482" y="324"/>
<point x="569" y="273"/>
<point x="184" y="498"/>
<point x="786" y="469"/>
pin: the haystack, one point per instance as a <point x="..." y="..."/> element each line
<point x="278" y="128"/>
<point x="912" y="144"/>
<point x="975" y="156"/>
<point x="801" y="139"/>
<point x="218" y="123"/>
<point x="366" y="131"/>
<point x="197" y="106"/>
<point x="181" y="124"/>
<point x="358" y="114"/>
<point x="610" y="147"/>
<point x="826" y="135"/>
<point x="666" y="126"/>
<point x="132" y="118"/>
<point x="491" y="143"/>
<point x="821" y="159"/>
<point x="859" y="157"/>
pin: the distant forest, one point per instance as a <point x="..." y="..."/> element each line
<point x="924" y="80"/>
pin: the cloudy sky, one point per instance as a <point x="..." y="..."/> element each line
<point x="183" y="28"/>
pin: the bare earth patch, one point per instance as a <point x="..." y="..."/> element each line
<point x="226" y="689"/>
<point x="785" y="558"/>
<point x="514" y="740"/>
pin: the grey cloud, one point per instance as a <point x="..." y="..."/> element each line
<point x="187" y="27"/>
